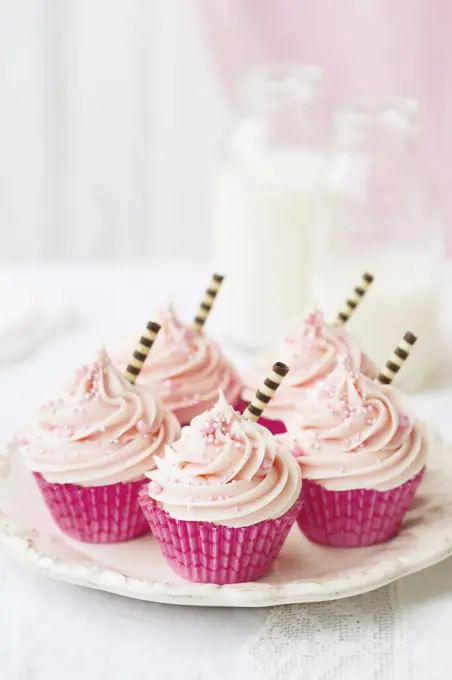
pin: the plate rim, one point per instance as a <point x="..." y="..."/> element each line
<point x="253" y="594"/>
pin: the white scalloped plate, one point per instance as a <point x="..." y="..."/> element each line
<point x="304" y="572"/>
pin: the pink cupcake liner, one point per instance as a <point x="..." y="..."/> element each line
<point x="208" y="553"/>
<point x="359" y="517"/>
<point x="275" y="426"/>
<point x="95" y="514"/>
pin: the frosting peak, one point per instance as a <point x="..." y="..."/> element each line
<point x="356" y="433"/>
<point x="312" y="349"/>
<point x="226" y="470"/>
<point x="102" y="430"/>
<point x="186" y="369"/>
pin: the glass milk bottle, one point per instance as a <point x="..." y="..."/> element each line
<point x="379" y="213"/>
<point x="263" y="202"/>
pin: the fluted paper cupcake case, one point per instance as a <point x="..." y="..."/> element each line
<point x="208" y="553"/>
<point x="275" y="426"/>
<point x="356" y="518"/>
<point x="96" y="514"/>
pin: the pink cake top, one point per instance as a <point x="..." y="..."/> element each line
<point x="225" y="470"/>
<point x="355" y="433"/>
<point x="310" y="349"/>
<point x="187" y="368"/>
<point x="102" y="430"/>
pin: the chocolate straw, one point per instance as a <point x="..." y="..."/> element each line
<point x="353" y="302"/>
<point x="398" y="358"/>
<point x="266" y="391"/>
<point x="141" y="353"/>
<point x="206" y="305"/>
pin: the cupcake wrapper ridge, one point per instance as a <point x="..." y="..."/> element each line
<point x="208" y="553"/>
<point x="95" y="514"/>
<point x="360" y="517"/>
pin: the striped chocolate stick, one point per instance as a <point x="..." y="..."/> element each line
<point x="398" y="358"/>
<point x="353" y="301"/>
<point x="141" y="353"/>
<point x="207" y="303"/>
<point x="266" y="391"/>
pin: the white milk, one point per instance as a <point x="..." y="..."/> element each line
<point x="405" y="295"/>
<point x="263" y="207"/>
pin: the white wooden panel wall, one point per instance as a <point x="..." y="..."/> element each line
<point x="109" y="122"/>
<point x="25" y="173"/>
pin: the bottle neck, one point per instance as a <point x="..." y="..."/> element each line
<point x="286" y="102"/>
<point x="388" y="125"/>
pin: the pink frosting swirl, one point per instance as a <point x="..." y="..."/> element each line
<point x="225" y="470"/>
<point x="103" y="430"/>
<point x="187" y="368"/>
<point x="355" y="433"/>
<point x="311" y="349"/>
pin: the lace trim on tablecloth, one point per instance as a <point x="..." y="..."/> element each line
<point x="358" y="638"/>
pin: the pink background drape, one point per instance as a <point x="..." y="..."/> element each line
<point x="381" y="46"/>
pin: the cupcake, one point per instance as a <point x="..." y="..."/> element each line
<point x="186" y="369"/>
<point x="90" y="448"/>
<point x="362" y="455"/>
<point x="311" y="348"/>
<point x="223" y="498"/>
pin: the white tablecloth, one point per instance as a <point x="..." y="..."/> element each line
<point x="51" y="631"/>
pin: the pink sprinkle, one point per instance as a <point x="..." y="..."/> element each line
<point x="266" y="463"/>
<point x="210" y="439"/>
<point x="314" y="319"/>
<point x="370" y="421"/>
<point x="169" y="386"/>
<point x="404" y="421"/>
<point x="142" y="427"/>
<point x="155" y="487"/>
<point x="22" y="441"/>
<point x="328" y="391"/>
<point x="187" y="334"/>
<point x="208" y="428"/>
<point x="296" y="450"/>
